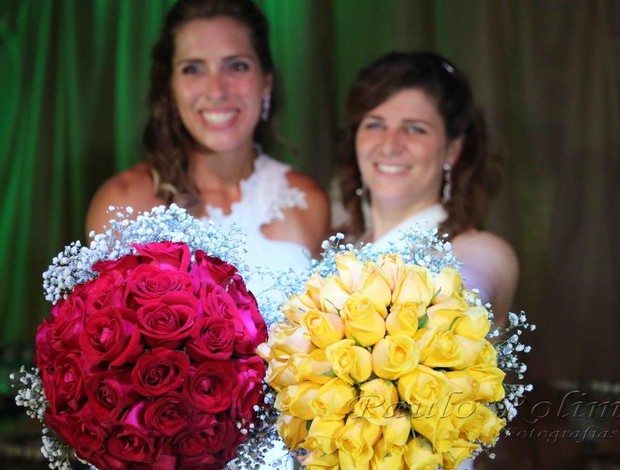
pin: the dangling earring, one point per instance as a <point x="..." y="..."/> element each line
<point x="362" y="191"/>
<point x="446" y="193"/>
<point x="265" y="107"/>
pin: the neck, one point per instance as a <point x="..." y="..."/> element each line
<point x="386" y="217"/>
<point x="215" y="171"/>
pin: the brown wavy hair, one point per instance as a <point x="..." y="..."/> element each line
<point x="476" y="176"/>
<point x="165" y="139"/>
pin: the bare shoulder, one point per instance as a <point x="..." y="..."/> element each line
<point x="477" y="242"/>
<point x="306" y="226"/>
<point x="132" y="187"/>
<point x="490" y="264"/>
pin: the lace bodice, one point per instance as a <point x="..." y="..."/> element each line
<point x="264" y="194"/>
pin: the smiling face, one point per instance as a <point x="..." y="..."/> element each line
<point x="218" y="83"/>
<point x="401" y="147"/>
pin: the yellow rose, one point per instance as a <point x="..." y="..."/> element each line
<point x="404" y="318"/>
<point x="295" y="306"/>
<point x="351" y="463"/>
<point x="435" y="423"/>
<point x="487" y="356"/>
<point x="423" y="386"/>
<point x="472" y="348"/>
<point x="292" y="430"/>
<point x="313" y="289"/>
<point x="463" y="387"/>
<point x="320" y="461"/>
<point x="420" y="455"/>
<point x="396" y="435"/>
<point x="415" y="285"/>
<point x="363" y="322"/>
<point x="473" y="324"/>
<point x="384" y="459"/>
<point x="391" y="266"/>
<point x="357" y="439"/>
<point x="440" y="348"/>
<point x="490" y="383"/>
<point x="295" y="400"/>
<point x="315" y="368"/>
<point x="460" y="451"/>
<point x="286" y="339"/>
<point x="333" y="295"/>
<point x="443" y="315"/>
<point x="334" y="399"/>
<point x="376" y="287"/>
<point x="349" y="270"/>
<point x="377" y="402"/>
<point x="321" y="435"/>
<point x="349" y="362"/>
<point x="394" y="356"/>
<point x="264" y="351"/>
<point x="480" y="424"/>
<point x="280" y="375"/>
<point x="448" y="284"/>
<point x="324" y="328"/>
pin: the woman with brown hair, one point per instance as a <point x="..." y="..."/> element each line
<point x="415" y="147"/>
<point x="211" y="103"/>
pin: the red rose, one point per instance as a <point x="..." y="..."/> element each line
<point x="111" y="336"/>
<point x="67" y="321"/>
<point x="44" y="351"/>
<point x="122" y="266"/>
<point x="149" y="282"/>
<point x="211" y="385"/>
<point x="167" y="255"/>
<point x="81" y="432"/>
<point x="248" y="388"/>
<point x="239" y="306"/>
<point x="130" y="443"/>
<point x="160" y="371"/>
<point x="168" y="321"/>
<point x="109" y="393"/>
<point x="212" y="338"/>
<point x="210" y="444"/>
<point x="168" y="415"/>
<point x="108" y="290"/>
<point x="65" y="390"/>
<point x="211" y="269"/>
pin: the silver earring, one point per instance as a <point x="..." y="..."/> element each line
<point x="362" y="191"/>
<point x="446" y="193"/>
<point x="265" y="107"/>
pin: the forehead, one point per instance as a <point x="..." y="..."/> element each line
<point x="218" y="36"/>
<point x="410" y="103"/>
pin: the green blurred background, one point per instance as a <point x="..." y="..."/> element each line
<point x="73" y="83"/>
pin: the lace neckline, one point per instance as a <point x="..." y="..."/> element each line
<point x="264" y="194"/>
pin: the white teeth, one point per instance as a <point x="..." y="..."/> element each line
<point x="391" y="168"/>
<point x="217" y="117"/>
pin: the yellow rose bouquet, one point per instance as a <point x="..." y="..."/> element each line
<point x="385" y="361"/>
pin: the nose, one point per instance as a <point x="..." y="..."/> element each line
<point x="392" y="143"/>
<point x="215" y="86"/>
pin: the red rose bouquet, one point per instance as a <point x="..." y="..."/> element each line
<point x="150" y="362"/>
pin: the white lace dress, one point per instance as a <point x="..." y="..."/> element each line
<point x="264" y="195"/>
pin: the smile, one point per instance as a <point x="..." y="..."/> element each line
<point x="218" y="118"/>
<point x="391" y="169"/>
